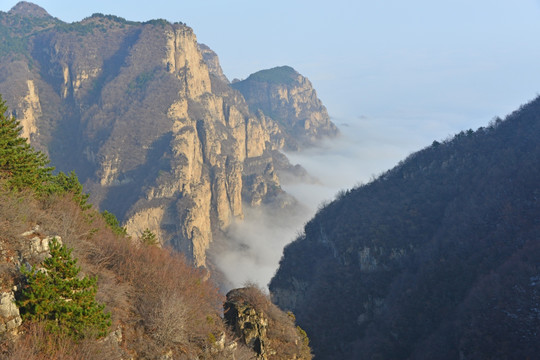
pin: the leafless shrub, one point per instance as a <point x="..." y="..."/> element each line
<point x="17" y="212"/>
<point x="36" y="343"/>
<point x="253" y="295"/>
<point x="166" y="319"/>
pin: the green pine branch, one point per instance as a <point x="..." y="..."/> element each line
<point x="56" y="296"/>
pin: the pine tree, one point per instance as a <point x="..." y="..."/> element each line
<point x="19" y="162"/>
<point x="149" y="238"/>
<point x="62" y="183"/>
<point x="113" y="223"/>
<point x="64" y="302"/>
<point x="25" y="167"/>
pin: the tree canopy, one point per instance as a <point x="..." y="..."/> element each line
<point x="56" y="295"/>
<point x="25" y="167"/>
<point x="19" y="162"/>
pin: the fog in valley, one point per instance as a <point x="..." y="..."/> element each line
<point x="365" y="148"/>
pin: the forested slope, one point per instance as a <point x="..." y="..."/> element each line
<point x="436" y="258"/>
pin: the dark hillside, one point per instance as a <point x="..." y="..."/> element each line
<point x="437" y="258"/>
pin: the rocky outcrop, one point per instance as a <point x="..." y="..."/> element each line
<point x="248" y="324"/>
<point x="212" y="61"/>
<point x="289" y="98"/>
<point x="10" y="318"/>
<point x="35" y="245"/>
<point x="260" y="325"/>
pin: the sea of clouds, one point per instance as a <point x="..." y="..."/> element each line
<point x="365" y="148"/>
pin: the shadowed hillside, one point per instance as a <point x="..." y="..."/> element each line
<point x="436" y="258"/>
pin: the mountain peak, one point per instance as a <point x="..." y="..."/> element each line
<point x="25" y="8"/>
<point x="280" y="74"/>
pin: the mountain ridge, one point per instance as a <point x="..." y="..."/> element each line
<point x="147" y="119"/>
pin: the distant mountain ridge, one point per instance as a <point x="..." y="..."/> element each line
<point x="435" y="259"/>
<point x="147" y="119"/>
<point x="28" y="9"/>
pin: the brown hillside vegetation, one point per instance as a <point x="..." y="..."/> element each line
<point x="74" y="286"/>
<point x="159" y="303"/>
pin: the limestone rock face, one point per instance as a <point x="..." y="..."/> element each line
<point x="10" y="318"/>
<point x="145" y="116"/>
<point x="212" y="61"/>
<point x="36" y="245"/>
<point x="289" y="98"/>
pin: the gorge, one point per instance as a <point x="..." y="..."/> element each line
<point x="433" y="258"/>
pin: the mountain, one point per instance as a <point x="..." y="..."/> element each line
<point x="27" y="9"/>
<point x="435" y="259"/>
<point x="147" y="119"/>
<point x="286" y="96"/>
<point x="72" y="287"/>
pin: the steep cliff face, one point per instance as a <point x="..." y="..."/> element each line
<point x="212" y="61"/>
<point x="289" y="98"/>
<point x="434" y="259"/>
<point x="145" y="116"/>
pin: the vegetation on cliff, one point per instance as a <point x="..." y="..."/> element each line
<point x="436" y="258"/>
<point x="278" y="75"/>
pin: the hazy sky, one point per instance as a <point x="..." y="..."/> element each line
<point x="454" y="61"/>
<point x="394" y="75"/>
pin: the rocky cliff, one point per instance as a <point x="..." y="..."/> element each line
<point x="212" y="61"/>
<point x="286" y="96"/>
<point x="145" y="116"/>
<point x="435" y="259"/>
